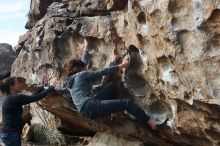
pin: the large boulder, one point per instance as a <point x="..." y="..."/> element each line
<point x="174" y="50"/>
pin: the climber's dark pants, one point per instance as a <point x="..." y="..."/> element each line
<point x="103" y="104"/>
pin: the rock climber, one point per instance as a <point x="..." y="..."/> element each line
<point x="94" y="106"/>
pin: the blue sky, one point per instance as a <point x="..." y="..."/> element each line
<point x="13" y="17"/>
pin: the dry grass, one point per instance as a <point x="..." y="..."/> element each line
<point x="42" y="134"/>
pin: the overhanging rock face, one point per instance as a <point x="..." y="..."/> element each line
<point x="174" y="47"/>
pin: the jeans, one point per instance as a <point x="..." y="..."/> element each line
<point x="103" y="104"/>
<point x="11" y="139"/>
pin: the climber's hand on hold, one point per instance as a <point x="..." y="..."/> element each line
<point x="158" y="128"/>
<point x="86" y="45"/>
<point x="124" y="64"/>
<point x="53" y="81"/>
<point x="87" y="48"/>
<point x="152" y="124"/>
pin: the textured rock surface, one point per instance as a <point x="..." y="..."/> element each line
<point x="7" y="57"/>
<point x="106" y="139"/>
<point x="174" y="48"/>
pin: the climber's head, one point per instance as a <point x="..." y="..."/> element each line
<point x="13" y="85"/>
<point x="74" y="66"/>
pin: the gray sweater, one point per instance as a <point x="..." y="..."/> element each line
<point x="80" y="85"/>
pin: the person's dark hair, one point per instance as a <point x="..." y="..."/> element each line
<point x="8" y="82"/>
<point x="75" y="66"/>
